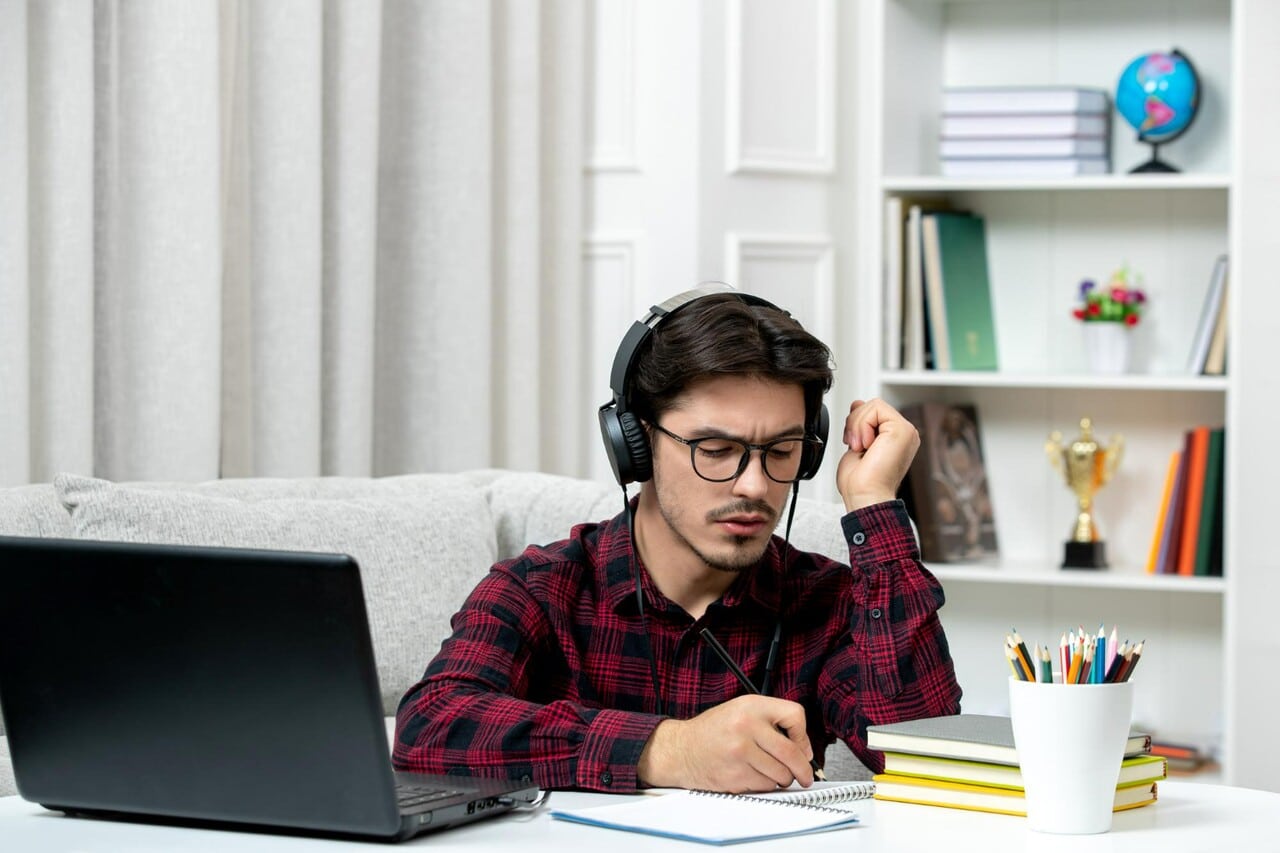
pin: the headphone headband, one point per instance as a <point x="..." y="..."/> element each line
<point x="629" y="349"/>
<point x="625" y="440"/>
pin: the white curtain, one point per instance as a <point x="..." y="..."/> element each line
<point x="290" y="238"/>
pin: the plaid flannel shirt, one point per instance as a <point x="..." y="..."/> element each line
<point x="547" y="677"/>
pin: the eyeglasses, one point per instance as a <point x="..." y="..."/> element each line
<point x="720" y="460"/>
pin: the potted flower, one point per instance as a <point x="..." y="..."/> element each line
<point x="1108" y="313"/>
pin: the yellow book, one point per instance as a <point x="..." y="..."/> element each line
<point x="1133" y="771"/>
<point x="983" y="798"/>
<point x="1170" y="476"/>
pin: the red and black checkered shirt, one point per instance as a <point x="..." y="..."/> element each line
<point x="547" y="674"/>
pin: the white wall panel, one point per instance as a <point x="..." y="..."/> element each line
<point x="780" y="86"/>
<point x="609" y="274"/>
<point x="611" y="146"/>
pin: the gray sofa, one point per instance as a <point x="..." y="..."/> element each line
<point x="422" y="540"/>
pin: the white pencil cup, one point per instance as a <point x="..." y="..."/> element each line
<point x="1070" y="740"/>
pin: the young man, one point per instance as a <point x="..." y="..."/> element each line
<point x="584" y="664"/>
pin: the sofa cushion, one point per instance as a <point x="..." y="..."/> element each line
<point x="33" y="511"/>
<point x="422" y="542"/>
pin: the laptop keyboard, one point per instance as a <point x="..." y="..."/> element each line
<point x="409" y="796"/>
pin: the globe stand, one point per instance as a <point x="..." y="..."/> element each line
<point x="1155" y="164"/>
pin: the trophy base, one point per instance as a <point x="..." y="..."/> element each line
<point x="1085" y="555"/>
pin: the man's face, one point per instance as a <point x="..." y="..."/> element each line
<point x="728" y="524"/>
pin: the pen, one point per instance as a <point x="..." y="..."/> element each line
<point x="723" y="654"/>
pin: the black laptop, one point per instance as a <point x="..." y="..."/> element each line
<point x="203" y="685"/>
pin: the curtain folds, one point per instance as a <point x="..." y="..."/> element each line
<point x="290" y="238"/>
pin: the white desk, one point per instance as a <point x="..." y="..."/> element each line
<point x="1188" y="817"/>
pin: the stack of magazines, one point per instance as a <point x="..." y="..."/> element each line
<point x="968" y="761"/>
<point x="1031" y="131"/>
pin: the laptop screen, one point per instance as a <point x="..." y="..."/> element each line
<point x="200" y="683"/>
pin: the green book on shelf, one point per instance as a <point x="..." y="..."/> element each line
<point x="1211" y="505"/>
<point x="966" y="291"/>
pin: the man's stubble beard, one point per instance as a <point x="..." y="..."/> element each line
<point x="742" y="556"/>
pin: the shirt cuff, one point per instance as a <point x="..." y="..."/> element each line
<point x="880" y="533"/>
<point x="611" y="750"/>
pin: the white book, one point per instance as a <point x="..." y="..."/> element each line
<point x="913" y="310"/>
<point x="1004" y="100"/>
<point x="936" y="307"/>
<point x="1017" y="126"/>
<point x="1028" y="167"/>
<point x="1208" y="317"/>
<point x="893" y="290"/>
<point x="1066" y="146"/>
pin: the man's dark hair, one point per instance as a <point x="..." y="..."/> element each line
<point x="723" y="335"/>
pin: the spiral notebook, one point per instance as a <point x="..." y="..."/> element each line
<point x="713" y="818"/>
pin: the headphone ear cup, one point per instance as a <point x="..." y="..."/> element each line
<point x="637" y="442"/>
<point x="626" y="444"/>
<point x="811" y="461"/>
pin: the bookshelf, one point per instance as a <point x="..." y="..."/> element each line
<point x="1043" y="237"/>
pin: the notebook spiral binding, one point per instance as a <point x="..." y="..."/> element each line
<point x="809" y="799"/>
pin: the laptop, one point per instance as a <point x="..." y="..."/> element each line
<point x="208" y="685"/>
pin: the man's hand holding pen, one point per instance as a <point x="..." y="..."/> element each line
<point x="750" y="743"/>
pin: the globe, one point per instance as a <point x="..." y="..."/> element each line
<point x="1158" y="94"/>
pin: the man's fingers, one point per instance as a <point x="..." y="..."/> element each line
<point x="791" y="758"/>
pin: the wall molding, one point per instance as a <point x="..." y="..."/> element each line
<point x="815" y="250"/>
<point x="614" y="149"/>
<point x="743" y="157"/>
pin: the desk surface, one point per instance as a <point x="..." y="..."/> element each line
<point x="1189" y="816"/>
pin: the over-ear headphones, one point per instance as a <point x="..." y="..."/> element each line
<point x="625" y="440"/>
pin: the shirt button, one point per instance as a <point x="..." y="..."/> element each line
<point x="606" y="778"/>
<point x="859" y="538"/>
<point x="875" y="613"/>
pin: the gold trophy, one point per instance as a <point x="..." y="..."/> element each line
<point x="1086" y="467"/>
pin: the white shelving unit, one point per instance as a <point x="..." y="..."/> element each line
<point x="1043" y="238"/>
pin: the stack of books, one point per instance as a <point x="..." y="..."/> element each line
<point x="968" y="761"/>
<point x="1187" y="539"/>
<point x="1025" y="131"/>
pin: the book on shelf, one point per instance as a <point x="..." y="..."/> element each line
<point x="1159" y="541"/>
<point x="956" y="795"/>
<point x="1215" y="363"/>
<point x="946" y="488"/>
<point x="712" y="818"/>
<point x="892" y="310"/>
<point x="1212" y="307"/>
<point x="972" y="737"/>
<point x="1026" y="167"/>
<point x="1004" y="100"/>
<point x="1181" y="756"/>
<point x="935" y="307"/>
<point x="1134" y="770"/>
<point x="1015" y="126"/>
<point x="1197" y="454"/>
<point x="961" y="314"/>
<point x="1210" y="508"/>
<point x="1171" y="535"/>
<point x="995" y="149"/>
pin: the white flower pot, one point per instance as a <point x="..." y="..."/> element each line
<point x="1107" y="345"/>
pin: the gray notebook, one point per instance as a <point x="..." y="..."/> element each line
<point x="971" y="737"/>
